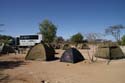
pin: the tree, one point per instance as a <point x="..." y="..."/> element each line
<point x="5" y="39"/>
<point x="115" y="31"/>
<point x="91" y="37"/>
<point x="59" y="39"/>
<point x="77" y="38"/>
<point x="48" y="30"/>
<point x="123" y="40"/>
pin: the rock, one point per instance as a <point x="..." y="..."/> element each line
<point x="43" y="81"/>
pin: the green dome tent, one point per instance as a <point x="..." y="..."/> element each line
<point x="41" y="52"/>
<point x="123" y="49"/>
<point x="109" y="52"/>
<point x="71" y="55"/>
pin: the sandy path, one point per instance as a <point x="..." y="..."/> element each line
<point x="59" y="72"/>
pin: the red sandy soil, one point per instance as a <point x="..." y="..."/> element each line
<point x="60" y="72"/>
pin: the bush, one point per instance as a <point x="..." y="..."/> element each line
<point x="123" y="40"/>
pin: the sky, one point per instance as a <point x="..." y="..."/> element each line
<point x="70" y="16"/>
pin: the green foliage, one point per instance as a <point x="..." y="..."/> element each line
<point x="77" y="38"/>
<point x="5" y="39"/>
<point x="48" y="30"/>
<point x="66" y="46"/>
<point x="59" y="39"/>
<point x="123" y="40"/>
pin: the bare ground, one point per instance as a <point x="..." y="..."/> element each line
<point x="17" y="70"/>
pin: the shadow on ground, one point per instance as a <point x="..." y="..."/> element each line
<point x="11" y="64"/>
<point x="54" y="59"/>
<point x="3" y="78"/>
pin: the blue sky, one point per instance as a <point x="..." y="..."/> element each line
<point x="70" y="16"/>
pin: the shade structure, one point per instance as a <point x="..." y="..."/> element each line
<point x="109" y="52"/>
<point x="71" y="55"/>
<point x="41" y="52"/>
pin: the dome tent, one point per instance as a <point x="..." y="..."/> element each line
<point x="123" y="49"/>
<point x="41" y="52"/>
<point x="71" y="55"/>
<point x="109" y="52"/>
